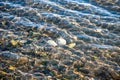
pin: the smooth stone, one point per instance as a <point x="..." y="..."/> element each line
<point x="9" y="55"/>
<point x="67" y="62"/>
<point x="22" y="60"/>
<point x="23" y="41"/>
<point x="29" y="1"/>
<point x="85" y="71"/>
<point x="61" y="41"/>
<point x="98" y="30"/>
<point x="52" y="43"/>
<point x="71" y="45"/>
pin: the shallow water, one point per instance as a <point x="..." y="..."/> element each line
<point x="91" y="24"/>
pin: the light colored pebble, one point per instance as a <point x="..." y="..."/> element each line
<point x="52" y="43"/>
<point x="71" y="45"/>
<point x="61" y="41"/>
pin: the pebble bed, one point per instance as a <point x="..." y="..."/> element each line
<point x="67" y="40"/>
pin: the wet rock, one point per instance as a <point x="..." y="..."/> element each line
<point x="78" y="64"/>
<point x="9" y="55"/>
<point x="71" y="45"/>
<point x="103" y="73"/>
<point x="85" y="71"/>
<point x="114" y="74"/>
<point x="46" y="71"/>
<point x="53" y="63"/>
<point x="3" y="43"/>
<point x="29" y="41"/>
<point x="89" y="78"/>
<point x="22" y="60"/>
<point x="29" y="1"/>
<point x="14" y="42"/>
<point x="52" y="43"/>
<point x="67" y="62"/>
<point x="49" y="78"/>
<point x="22" y="42"/>
<point x="61" y="41"/>
<point x="39" y="75"/>
<point x="61" y="68"/>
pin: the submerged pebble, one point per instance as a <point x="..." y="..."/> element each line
<point x="71" y="45"/>
<point x="14" y="42"/>
<point x="61" y="41"/>
<point x="9" y="55"/>
<point x="22" y="60"/>
<point x="52" y="43"/>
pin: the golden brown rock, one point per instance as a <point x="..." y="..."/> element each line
<point x="23" y="60"/>
<point x="114" y="74"/>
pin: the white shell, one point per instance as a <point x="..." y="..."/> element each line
<point x="61" y="41"/>
<point x="52" y="43"/>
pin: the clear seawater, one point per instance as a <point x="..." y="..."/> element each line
<point x="95" y="23"/>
